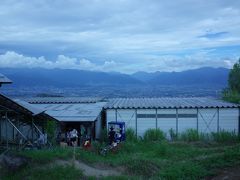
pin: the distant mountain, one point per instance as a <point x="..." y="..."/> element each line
<point x="64" y="77"/>
<point x="78" y="78"/>
<point x="201" y="76"/>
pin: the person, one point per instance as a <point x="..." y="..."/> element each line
<point x="68" y="137"/>
<point x="74" y="136"/>
<point x="111" y="135"/>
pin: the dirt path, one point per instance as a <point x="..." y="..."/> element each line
<point x="89" y="170"/>
<point x="228" y="174"/>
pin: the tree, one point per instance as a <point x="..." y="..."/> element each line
<point x="234" y="77"/>
<point x="232" y="93"/>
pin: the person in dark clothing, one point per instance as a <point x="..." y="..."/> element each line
<point x="111" y="136"/>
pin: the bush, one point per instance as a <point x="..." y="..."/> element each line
<point x="190" y="135"/>
<point x="224" y="137"/>
<point x="154" y="135"/>
<point x="131" y="135"/>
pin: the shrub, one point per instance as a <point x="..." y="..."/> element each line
<point x="131" y="135"/>
<point x="154" y="135"/>
<point x="224" y="137"/>
<point x="190" y="135"/>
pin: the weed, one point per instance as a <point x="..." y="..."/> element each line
<point x="154" y="135"/>
<point x="131" y="135"/>
<point x="190" y="135"/>
<point x="173" y="134"/>
<point x="225" y="137"/>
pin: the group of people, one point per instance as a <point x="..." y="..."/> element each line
<point x="114" y="135"/>
<point x="73" y="138"/>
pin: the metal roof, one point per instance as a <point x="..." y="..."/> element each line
<point x="76" y="112"/>
<point x="167" y="103"/>
<point x="21" y="107"/>
<point x="61" y="100"/>
<point x="35" y="111"/>
<point x="4" y="79"/>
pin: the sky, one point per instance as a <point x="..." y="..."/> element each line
<point x="119" y="35"/>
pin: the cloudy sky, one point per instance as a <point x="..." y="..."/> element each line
<point x="119" y="35"/>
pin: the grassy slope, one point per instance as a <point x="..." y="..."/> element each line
<point x="140" y="159"/>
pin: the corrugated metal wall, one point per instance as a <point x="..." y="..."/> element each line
<point x="165" y="124"/>
<point x="204" y="120"/>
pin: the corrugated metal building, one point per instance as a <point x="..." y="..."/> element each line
<point x="73" y="112"/>
<point x="4" y="80"/>
<point x="20" y="122"/>
<point x="203" y="114"/>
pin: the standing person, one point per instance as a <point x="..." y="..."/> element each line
<point x="74" y="136"/>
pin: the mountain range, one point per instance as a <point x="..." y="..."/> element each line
<point x="75" y="78"/>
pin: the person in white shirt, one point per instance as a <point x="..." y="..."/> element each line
<point x="74" y="136"/>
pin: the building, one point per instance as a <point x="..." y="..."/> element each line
<point x="206" y="115"/>
<point x="80" y="113"/>
<point x="21" y="124"/>
<point x="4" y="80"/>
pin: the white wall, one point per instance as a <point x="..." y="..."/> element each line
<point x="165" y="124"/>
<point x="228" y="119"/>
<point x="186" y="123"/>
<point x="110" y="115"/>
<point x="207" y="120"/>
<point x="128" y="116"/>
<point x="144" y="124"/>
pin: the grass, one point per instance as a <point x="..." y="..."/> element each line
<point x="51" y="173"/>
<point x="190" y="135"/>
<point x="153" y="158"/>
<point x="154" y="135"/>
<point x="46" y="155"/>
<point x="224" y="136"/>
